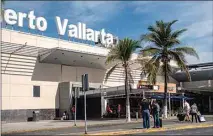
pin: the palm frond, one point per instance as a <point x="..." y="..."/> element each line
<point x="150" y="50"/>
<point x="187" y="50"/>
<point x="168" y="29"/>
<point x="109" y="72"/>
<point x="152" y="68"/>
<point x="111" y="58"/>
<point x="181" y="62"/>
<point x="178" y="33"/>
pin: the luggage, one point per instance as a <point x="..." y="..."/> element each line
<point x="161" y="122"/>
<point x="201" y="118"/>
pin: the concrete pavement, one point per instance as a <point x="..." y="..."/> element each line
<point x="57" y="124"/>
<point x="166" y="128"/>
<point x="194" y="131"/>
<point x="66" y="126"/>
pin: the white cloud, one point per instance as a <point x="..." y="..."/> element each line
<point x="40" y="7"/>
<point x="199" y="30"/>
<point x="94" y="12"/>
<point x="203" y="58"/>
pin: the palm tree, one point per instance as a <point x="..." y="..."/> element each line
<point x="121" y="54"/>
<point x="163" y="48"/>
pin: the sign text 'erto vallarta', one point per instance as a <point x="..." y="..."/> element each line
<point x="79" y="31"/>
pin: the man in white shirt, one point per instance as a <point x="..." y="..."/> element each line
<point x="187" y="110"/>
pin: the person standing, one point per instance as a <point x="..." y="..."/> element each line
<point x="156" y="110"/>
<point x="73" y="112"/>
<point x="119" y="110"/>
<point x="145" y="106"/>
<point x="194" y="112"/>
<point x="187" y="110"/>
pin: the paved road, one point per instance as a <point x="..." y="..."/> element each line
<point x="198" y="131"/>
<point x="93" y="129"/>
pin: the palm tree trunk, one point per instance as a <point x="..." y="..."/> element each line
<point x="165" y="91"/>
<point x="128" y="118"/>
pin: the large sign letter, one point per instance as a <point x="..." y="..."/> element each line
<point x="10" y="17"/>
<point x="61" y="28"/>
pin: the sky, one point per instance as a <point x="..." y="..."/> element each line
<point x="130" y="19"/>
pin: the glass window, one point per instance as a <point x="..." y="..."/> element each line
<point x="36" y="91"/>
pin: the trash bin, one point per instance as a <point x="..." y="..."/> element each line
<point x="35" y="115"/>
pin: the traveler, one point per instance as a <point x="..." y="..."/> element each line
<point x="194" y="112"/>
<point x="156" y="110"/>
<point x="145" y="106"/>
<point x="187" y="110"/>
<point x="65" y="116"/>
<point x="108" y="109"/>
<point x="119" y="110"/>
<point x="73" y="112"/>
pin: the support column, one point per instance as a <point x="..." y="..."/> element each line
<point x="144" y="94"/>
<point x="70" y="100"/>
<point x="183" y="100"/>
<point x="170" y="104"/>
<point x="102" y="102"/>
<point x="102" y="106"/>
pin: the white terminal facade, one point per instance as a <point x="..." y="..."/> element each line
<point x="39" y="73"/>
<point x="30" y="62"/>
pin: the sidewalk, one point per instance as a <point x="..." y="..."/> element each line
<point x="178" y="126"/>
<point x="56" y="124"/>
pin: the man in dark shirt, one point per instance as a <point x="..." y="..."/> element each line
<point x="145" y="106"/>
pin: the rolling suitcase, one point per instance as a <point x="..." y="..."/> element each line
<point x="161" y="122"/>
<point x="201" y="118"/>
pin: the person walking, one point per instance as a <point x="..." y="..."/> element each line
<point x="187" y="110"/>
<point x="194" y="112"/>
<point x="156" y="110"/>
<point x="145" y="106"/>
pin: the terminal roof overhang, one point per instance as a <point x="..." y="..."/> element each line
<point x="56" y="55"/>
<point x="198" y="72"/>
<point x="62" y="56"/>
<point x="73" y="58"/>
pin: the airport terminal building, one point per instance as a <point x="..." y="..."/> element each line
<point x="40" y="73"/>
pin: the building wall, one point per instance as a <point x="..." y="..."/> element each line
<point x="17" y="90"/>
<point x="20" y="73"/>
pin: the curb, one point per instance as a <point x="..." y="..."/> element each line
<point x="55" y="128"/>
<point x="136" y="131"/>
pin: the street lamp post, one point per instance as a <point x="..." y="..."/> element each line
<point x="85" y="87"/>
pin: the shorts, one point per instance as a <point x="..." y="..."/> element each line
<point x="187" y="112"/>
